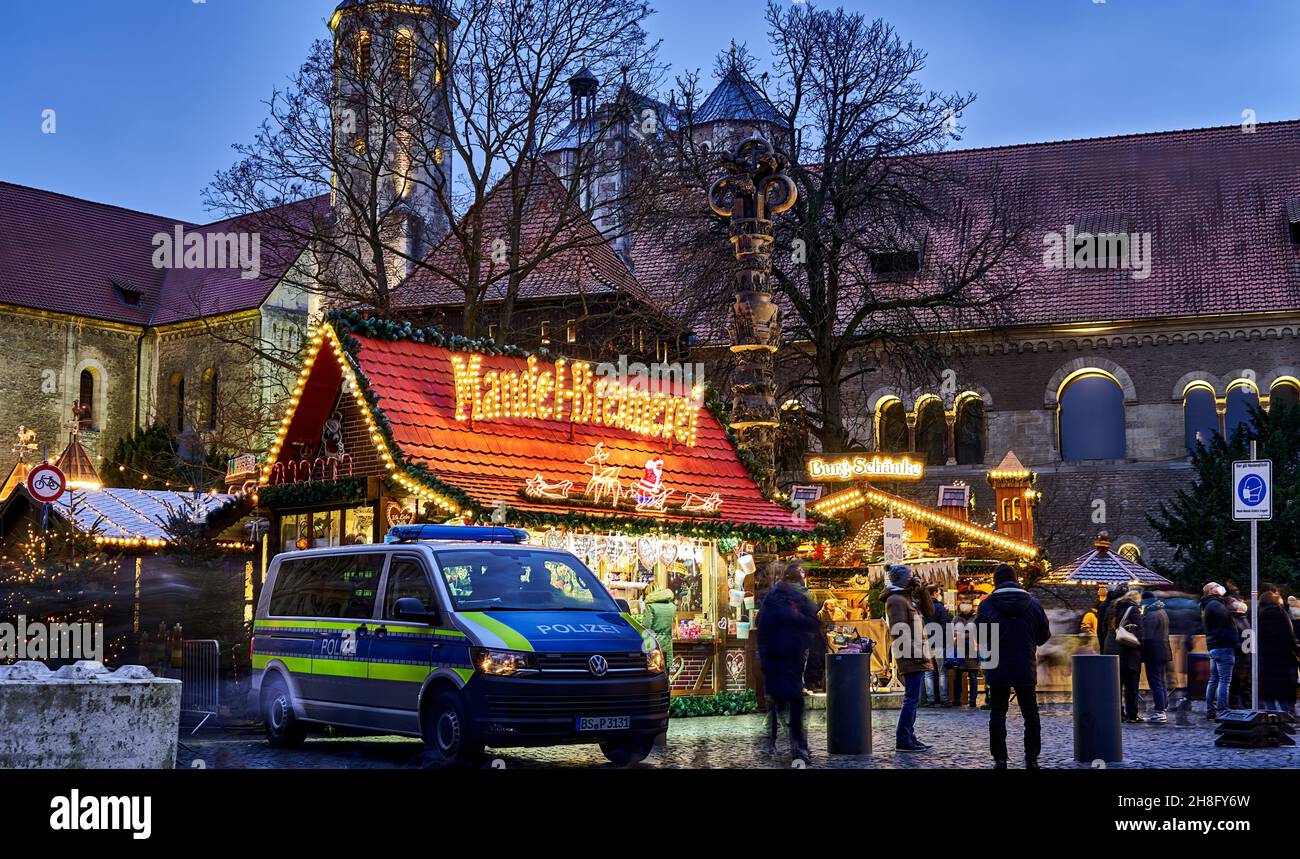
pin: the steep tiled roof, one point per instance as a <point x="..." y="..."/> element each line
<point x="493" y="460"/>
<point x="736" y="99"/>
<point x="64" y="255"/>
<point x="204" y="292"/>
<point x="577" y="261"/>
<point x="1215" y="201"/>
<point x="67" y="255"/>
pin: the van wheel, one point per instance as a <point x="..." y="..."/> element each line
<point x="283" y="730"/>
<point x="448" y="733"/>
<point x="629" y="751"/>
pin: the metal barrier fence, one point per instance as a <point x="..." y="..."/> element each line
<point x="200" y="679"/>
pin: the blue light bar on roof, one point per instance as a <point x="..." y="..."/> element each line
<point x="460" y="533"/>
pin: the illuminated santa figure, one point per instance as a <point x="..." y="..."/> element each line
<point x="651" y="481"/>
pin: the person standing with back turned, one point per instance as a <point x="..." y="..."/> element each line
<point x="1015" y="626"/>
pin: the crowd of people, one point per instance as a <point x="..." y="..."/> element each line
<point x="999" y="640"/>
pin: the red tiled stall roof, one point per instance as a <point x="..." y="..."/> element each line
<point x="492" y="460"/>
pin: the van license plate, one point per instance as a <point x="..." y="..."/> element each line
<point x="603" y="723"/>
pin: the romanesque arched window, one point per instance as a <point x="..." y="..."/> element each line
<point x="404" y="50"/>
<point x="970" y="431"/>
<point x="1285" y="392"/>
<point x="932" y="432"/>
<point x="1200" y="417"/>
<point x="891" y="426"/>
<point x="211" y="381"/>
<point x="178" y="401"/>
<point x="86" y="397"/>
<point x="1242" y="397"/>
<point x="1091" y="417"/>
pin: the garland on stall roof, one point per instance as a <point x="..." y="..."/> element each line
<point x="417" y="470"/>
<point x="701" y="529"/>
<point x="347" y="322"/>
<point x="346" y="490"/>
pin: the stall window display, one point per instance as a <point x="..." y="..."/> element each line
<point x="326" y="528"/>
<point x="632" y="566"/>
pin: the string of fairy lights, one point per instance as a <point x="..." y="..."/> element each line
<point x="396" y="472"/>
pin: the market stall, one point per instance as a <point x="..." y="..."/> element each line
<point x="941" y="542"/>
<point x="637" y="476"/>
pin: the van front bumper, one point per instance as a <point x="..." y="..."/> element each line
<point x="524" y="711"/>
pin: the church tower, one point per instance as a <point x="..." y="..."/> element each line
<point x="390" y="119"/>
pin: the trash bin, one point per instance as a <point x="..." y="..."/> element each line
<point x="1098" y="732"/>
<point x="848" y="703"/>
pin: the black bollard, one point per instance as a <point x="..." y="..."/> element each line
<point x="848" y="703"/>
<point x="1098" y="732"/>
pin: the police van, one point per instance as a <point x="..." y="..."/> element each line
<point x="465" y="636"/>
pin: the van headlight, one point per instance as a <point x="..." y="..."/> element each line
<point x="654" y="661"/>
<point x="502" y="663"/>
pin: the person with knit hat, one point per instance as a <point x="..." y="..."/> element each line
<point x="906" y="606"/>
<point x="1013" y="625"/>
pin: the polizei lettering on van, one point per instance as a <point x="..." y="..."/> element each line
<point x="577" y="629"/>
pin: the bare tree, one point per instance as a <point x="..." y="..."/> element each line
<point x="891" y="242"/>
<point x="380" y="119"/>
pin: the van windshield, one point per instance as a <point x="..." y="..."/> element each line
<point x="521" y="580"/>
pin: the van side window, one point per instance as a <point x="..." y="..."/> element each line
<point x="327" y="586"/>
<point x="406" y="578"/>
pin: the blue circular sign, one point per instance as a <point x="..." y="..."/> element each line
<point x="1252" y="490"/>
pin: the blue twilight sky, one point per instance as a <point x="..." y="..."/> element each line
<point x="150" y="94"/>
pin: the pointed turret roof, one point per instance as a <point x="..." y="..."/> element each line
<point x="75" y="464"/>
<point x="17" y="477"/>
<point x="1102" y="566"/>
<point x="736" y="99"/>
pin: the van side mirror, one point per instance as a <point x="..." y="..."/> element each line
<point x="623" y="606"/>
<point x="412" y="609"/>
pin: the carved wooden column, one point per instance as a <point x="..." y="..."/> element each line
<point x="753" y="190"/>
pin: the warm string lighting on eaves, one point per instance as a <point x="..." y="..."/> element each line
<point x="350" y="384"/>
<point x="849" y="499"/>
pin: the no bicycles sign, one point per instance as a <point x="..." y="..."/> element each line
<point x="46" y="483"/>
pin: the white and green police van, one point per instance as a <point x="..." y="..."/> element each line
<point x="465" y="636"/>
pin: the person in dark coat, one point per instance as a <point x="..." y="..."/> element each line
<point x="1279" y="655"/>
<point x="1015" y="626"/>
<point x="936" y="681"/>
<point x="1239" y="691"/>
<point x="966" y="659"/>
<point x="906" y="606"/>
<point x="1103" y="612"/>
<point x="787" y="623"/>
<point x="1221" y="639"/>
<point x="1127" y="613"/>
<point x="1156" y="656"/>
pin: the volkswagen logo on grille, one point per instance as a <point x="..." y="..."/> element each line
<point x="598" y="665"/>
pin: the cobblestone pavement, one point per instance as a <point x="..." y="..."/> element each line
<point x="959" y="737"/>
